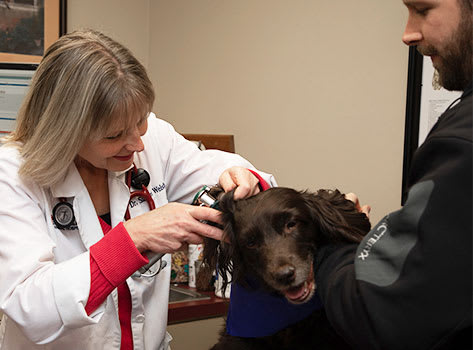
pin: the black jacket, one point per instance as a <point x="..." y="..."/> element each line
<point x="408" y="285"/>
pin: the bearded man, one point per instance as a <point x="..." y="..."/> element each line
<point x="408" y="284"/>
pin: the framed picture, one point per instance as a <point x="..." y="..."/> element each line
<point x="28" y="27"/>
<point x="15" y="80"/>
<point x="426" y="101"/>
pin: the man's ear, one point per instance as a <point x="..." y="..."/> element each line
<point x="337" y="218"/>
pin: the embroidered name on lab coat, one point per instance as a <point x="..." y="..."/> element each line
<point x="154" y="190"/>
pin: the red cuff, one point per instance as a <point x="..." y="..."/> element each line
<point x="263" y="185"/>
<point x="116" y="255"/>
<point x="100" y="288"/>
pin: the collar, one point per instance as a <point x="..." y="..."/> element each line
<point x="72" y="183"/>
<point x="88" y="223"/>
<point x="118" y="173"/>
<point x="255" y="313"/>
<point x="468" y="90"/>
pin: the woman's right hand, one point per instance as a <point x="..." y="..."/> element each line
<point x="172" y="227"/>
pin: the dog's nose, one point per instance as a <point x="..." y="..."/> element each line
<point x="285" y="274"/>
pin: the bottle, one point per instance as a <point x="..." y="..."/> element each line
<point x="195" y="254"/>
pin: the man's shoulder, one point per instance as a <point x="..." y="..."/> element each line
<point x="457" y="121"/>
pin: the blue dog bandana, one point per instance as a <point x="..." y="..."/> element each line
<point x="255" y="313"/>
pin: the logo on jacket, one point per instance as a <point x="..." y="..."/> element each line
<point x="376" y="236"/>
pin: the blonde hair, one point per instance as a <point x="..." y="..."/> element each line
<point x="85" y="84"/>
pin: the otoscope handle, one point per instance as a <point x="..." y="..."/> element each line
<point x="152" y="260"/>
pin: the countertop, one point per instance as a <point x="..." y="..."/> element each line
<point x="185" y="311"/>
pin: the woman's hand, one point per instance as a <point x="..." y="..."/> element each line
<point x="172" y="227"/>
<point x="242" y="179"/>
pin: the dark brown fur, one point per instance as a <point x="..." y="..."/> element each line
<point x="273" y="236"/>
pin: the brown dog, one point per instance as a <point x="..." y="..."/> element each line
<point x="273" y="237"/>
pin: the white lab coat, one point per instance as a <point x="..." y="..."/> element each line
<point x="45" y="272"/>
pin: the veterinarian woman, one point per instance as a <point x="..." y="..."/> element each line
<point x="68" y="258"/>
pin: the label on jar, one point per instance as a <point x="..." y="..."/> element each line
<point x="195" y="254"/>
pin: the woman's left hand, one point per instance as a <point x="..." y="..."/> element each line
<point x="242" y="179"/>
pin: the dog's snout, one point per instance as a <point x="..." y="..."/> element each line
<point x="285" y="274"/>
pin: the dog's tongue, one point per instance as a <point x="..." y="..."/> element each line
<point x="295" y="293"/>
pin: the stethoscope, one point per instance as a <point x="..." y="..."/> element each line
<point x="138" y="178"/>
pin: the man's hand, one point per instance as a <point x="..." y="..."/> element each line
<point x="363" y="209"/>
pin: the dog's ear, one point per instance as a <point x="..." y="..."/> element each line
<point x="221" y="255"/>
<point x="211" y="246"/>
<point x="210" y="252"/>
<point x="227" y="204"/>
<point x="337" y="217"/>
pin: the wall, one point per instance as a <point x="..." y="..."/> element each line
<point x="125" y="21"/>
<point x="314" y="91"/>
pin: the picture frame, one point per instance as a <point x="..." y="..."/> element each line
<point x="51" y="12"/>
<point x="15" y="80"/>
<point x="426" y="100"/>
<point x="411" y="128"/>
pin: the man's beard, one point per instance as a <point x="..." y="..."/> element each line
<point x="455" y="66"/>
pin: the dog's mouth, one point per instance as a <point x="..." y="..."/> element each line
<point x="303" y="292"/>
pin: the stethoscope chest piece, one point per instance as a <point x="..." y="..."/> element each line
<point x="63" y="215"/>
<point x="139" y="178"/>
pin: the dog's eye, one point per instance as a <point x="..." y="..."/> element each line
<point x="251" y="242"/>
<point x="291" y="224"/>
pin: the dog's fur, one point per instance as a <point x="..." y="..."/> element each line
<point x="273" y="236"/>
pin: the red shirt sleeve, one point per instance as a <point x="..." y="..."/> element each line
<point x="112" y="260"/>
